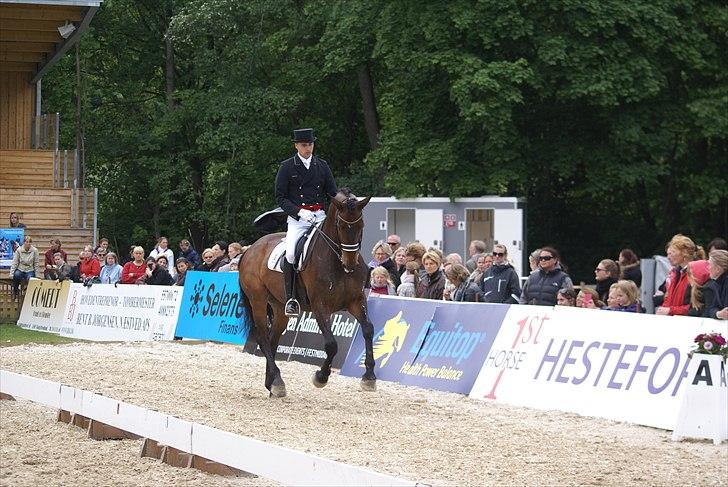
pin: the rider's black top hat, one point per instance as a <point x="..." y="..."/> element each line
<point x="303" y="135"/>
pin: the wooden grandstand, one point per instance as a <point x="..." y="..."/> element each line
<point x="39" y="181"/>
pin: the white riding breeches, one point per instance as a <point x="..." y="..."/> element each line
<point x="296" y="228"/>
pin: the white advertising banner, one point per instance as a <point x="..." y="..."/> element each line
<point x="620" y="366"/>
<point x="105" y="312"/>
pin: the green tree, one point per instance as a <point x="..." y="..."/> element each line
<point x="611" y="118"/>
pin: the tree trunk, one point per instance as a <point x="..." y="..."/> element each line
<point x="198" y="228"/>
<point x="169" y="73"/>
<point x="79" y="126"/>
<point x="155" y="223"/>
<point x="371" y="119"/>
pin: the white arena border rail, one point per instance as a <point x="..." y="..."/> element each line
<point x="284" y="465"/>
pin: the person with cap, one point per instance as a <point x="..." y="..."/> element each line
<point x="302" y="184"/>
<point x="50" y="261"/>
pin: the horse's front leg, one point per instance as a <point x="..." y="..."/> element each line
<point x="358" y="310"/>
<point x="278" y="322"/>
<point x="323" y="317"/>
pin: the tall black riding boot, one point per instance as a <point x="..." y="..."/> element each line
<point x="292" y="307"/>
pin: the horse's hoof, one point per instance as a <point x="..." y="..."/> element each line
<point x="278" y="390"/>
<point x="318" y="382"/>
<point x="369" y="385"/>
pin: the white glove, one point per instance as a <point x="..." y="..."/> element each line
<point x="306" y="215"/>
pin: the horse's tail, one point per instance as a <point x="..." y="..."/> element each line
<point x="249" y="324"/>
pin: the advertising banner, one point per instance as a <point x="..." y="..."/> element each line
<point x="433" y="344"/>
<point x="106" y="312"/>
<point x="213" y="308"/>
<point x="704" y="405"/>
<point x="302" y="340"/>
<point x="621" y="366"/>
<point x="10" y="239"/>
<point x="44" y="305"/>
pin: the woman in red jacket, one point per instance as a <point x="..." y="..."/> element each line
<point x="90" y="266"/>
<point x="134" y="269"/>
<point x="680" y="252"/>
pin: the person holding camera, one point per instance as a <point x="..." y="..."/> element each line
<point x="156" y="274"/>
<point x="60" y="270"/>
<point x="50" y="256"/>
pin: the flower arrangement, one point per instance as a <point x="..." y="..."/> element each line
<point x="711" y="343"/>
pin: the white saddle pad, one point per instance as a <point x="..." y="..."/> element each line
<point x="278" y="254"/>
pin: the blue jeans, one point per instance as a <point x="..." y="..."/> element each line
<point x="20" y="276"/>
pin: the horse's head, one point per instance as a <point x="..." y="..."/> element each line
<point x="349" y="226"/>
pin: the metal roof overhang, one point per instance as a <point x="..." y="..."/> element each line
<point x="29" y="37"/>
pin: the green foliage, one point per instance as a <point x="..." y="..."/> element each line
<point x="611" y="118"/>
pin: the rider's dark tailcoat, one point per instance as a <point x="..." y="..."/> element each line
<point x="296" y="185"/>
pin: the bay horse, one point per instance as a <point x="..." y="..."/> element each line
<point x="334" y="278"/>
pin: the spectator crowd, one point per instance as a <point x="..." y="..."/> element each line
<point x="101" y="265"/>
<point x="695" y="286"/>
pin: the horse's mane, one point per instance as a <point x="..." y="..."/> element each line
<point x="346" y="196"/>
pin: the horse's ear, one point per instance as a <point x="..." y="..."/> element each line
<point x="361" y="204"/>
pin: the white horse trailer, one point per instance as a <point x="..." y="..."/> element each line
<point x="450" y="225"/>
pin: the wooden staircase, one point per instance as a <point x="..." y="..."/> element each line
<point x="39" y="186"/>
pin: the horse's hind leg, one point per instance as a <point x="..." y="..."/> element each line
<point x="321" y="377"/>
<point x="358" y="309"/>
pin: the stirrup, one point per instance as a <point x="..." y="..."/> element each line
<point x="292" y="308"/>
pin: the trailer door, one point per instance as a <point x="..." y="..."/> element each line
<point x="508" y="226"/>
<point x="428" y="228"/>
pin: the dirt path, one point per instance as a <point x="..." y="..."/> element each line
<point x="428" y="436"/>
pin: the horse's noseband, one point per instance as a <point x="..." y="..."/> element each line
<point x="349" y="247"/>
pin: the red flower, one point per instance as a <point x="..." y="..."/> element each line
<point x="699" y="338"/>
<point x="718" y="338"/>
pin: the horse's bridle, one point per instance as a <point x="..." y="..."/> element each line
<point x="349" y="247"/>
<point x="337" y="248"/>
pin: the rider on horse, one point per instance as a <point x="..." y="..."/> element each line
<point x="302" y="183"/>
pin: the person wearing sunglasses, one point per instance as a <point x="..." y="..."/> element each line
<point x="543" y="285"/>
<point x="606" y="274"/>
<point x="394" y="242"/>
<point x="499" y="283"/>
<point x="208" y="257"/>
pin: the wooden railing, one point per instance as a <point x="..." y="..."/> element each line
<point x="45" y="131"/>
<point x="51" y="207"/>
<point x="27" y="169"/>
<point x="40" y="169"/>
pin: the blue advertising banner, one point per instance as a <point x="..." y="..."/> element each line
<point x="434" y="344"/>
<point x="213" y="308"/>
<point x="10" y="239"/>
